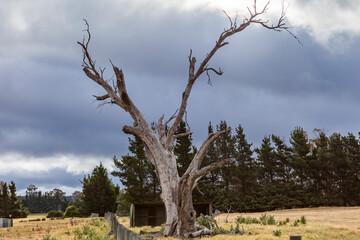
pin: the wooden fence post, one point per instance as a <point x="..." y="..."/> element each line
<point x="121" y="233"/>
<point x="295" y="237"/>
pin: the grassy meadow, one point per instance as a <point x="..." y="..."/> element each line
<point x="326" y="223"/>
<point x="57" y="229"/>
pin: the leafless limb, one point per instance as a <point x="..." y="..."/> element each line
<point x="216" y="165"/>
<point x="207" y="69"/>
<point x="211" y="220"/>
<point x="186" y="121"/>
<point x="195" y="73"/>
<point x="171" y="118"/>
<point x="200" y="154"/>
<point x="182" y="135"/>
<point x="117" y="93"/>
<point x="101" y="98"/>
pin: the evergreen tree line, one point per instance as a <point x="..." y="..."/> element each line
<point x="98" y="195"/>
<point x="323" y="171"/>
<point x="10" y="204"/>
<point x="38" y="202"/>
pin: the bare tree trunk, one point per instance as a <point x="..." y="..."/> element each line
<point x="176" y="192"/>
<point x="187" y="214"/>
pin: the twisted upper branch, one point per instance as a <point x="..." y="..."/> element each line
<point x="195" y="73"/>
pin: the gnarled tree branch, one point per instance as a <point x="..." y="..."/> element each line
<point x="234" y="28"/>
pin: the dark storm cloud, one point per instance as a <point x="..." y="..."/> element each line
<point x="270" y="84"/>
<point x="53" y="178"/>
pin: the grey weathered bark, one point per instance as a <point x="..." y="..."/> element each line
<point x="176" y="192"/>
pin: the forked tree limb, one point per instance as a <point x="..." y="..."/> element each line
<point x="234" y="28"/>
<point x="118" y="94"/>
<point x="213" y="166"/>
<point x="200" y="154"/>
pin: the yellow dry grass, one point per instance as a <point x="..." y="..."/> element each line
<point x="342" y="217"/>
<point x="60" y="229"/>
<point x="325" y="223"/>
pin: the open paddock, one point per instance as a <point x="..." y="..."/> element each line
<point x="325" y="223"/>
<point x="67" y="228"/>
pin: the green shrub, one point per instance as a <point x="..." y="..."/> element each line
<point x="219" y="231"/>
<point x="282" y="223"/>
<point x="303" y="220"/>
<point x="247" y="220"/>
<point x="240" y="220"/>
<point x="296" y="223"/>
<point x="204" y="222"/>
<point x="55" y="214"/>
<point x="271" y="220"/>
<point x="72" y="211"/>
<point x="263" y="217"/>
<point x="277" y="233"/>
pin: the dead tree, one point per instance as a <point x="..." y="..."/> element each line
<point x="176" y="191"/>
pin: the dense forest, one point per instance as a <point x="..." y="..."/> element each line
<point x="305" y="172"/>
<point x="38" y="202"/>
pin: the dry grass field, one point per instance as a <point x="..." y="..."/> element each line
<point x="57" y="229"/>
<point x="327" y="223"/>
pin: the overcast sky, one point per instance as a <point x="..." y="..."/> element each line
<point x="52" y="132"/>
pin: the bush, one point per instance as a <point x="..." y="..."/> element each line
<point x="23" y="212"/>
<point x="271" y="220"/>
<point x="277" y="233"/>
<point x="303" y="220"/>
<point x="282" y="223"/>
<point x="296" y="223"/>
<point x="204" y="222"/>
<point x="247" y="220"/>
<point x="55" y="214"/>
<point x="72" y="211"/>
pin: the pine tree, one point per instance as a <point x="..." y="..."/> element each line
<point x="4" y="201"/>
<point x="183" y="148"/>
<point x="245" y="172"/>
<point x="352" y="149"/>
<point x="340" y="169"/>
<point x="208" y="186"/>
<point x="137" y="175"/>
<point x="320" y="169"/>
<point x="99" y="193"/>
<point x="244" y="160"/>
<point x="16" y="208"/>
<point x="267" y="162"/>
<point x="225" y="148"/>
<point x="10" y="204"/>
<point x="300" y="148"/>
<point x="282" y="156"/>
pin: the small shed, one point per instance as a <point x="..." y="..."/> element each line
<point x="153" y="214"/>
<point x="5" y="222"/>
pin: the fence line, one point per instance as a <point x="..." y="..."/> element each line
<point x="120" y="232"/>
